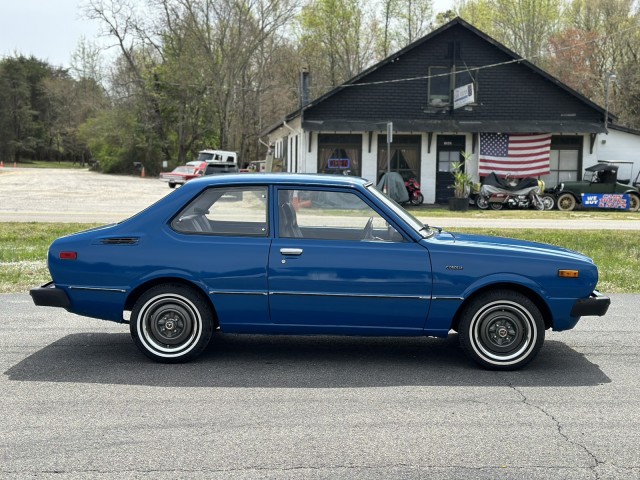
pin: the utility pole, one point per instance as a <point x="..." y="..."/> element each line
<point x="610" y="77"/>
<point x="389" y="140"/>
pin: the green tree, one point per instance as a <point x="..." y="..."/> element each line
<point x="414" y="18"/>
<point x="194" y="70"/>
<point x="600" y="37"/>
<point x="522" y="25"/>
<point x="336" y="40"/>
<point x="27" y="111"/>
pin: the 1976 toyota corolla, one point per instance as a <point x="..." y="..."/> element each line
<point x="314" y="254"/>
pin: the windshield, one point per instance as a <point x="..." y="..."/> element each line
<point x="416" y="224"/>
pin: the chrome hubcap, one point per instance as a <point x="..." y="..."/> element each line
<point x="503" y="332"/>
<point x="170" y="324"/>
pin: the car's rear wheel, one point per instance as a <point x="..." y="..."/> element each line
<point x="566" y="202"/>
<point x="172" y="185"/>
<point x="417" y="199"/>
<point x="171" y="323"/>
<point x="634" y="203"/>
<point x="501" y="330"/>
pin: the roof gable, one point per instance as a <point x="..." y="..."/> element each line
<point x="511" y="91"/>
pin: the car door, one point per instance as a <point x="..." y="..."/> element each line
<point x="224" y="242"/>
<point x="337" y="266"/>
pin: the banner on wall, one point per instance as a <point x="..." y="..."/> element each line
<point x="618" y="201"/>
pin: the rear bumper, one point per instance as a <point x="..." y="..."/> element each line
<point x="597" y="304"/>
<point x="49" y="295"/>
<point x="177" y="181"/>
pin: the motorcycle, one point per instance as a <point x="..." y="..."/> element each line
<point x="496" y="192"/>
<point x="413" y="189"/>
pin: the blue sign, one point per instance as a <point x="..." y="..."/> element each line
<point x="619" y="201"/>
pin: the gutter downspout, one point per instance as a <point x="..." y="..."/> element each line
<point x="284" y="122"/>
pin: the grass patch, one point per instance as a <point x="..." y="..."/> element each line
<point x="616" y="253"/>
<point x="43" y="164"/>
<point x="429" y="211"/>
<point x="23" y="252"/>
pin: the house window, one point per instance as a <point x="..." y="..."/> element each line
<point x="340" y="154"/>
<point x="564" y="160"/>
<point x="404" y="154"/>
<point x="564" y="167"/>
<point x="443" y="80"/>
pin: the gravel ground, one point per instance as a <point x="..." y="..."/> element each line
<point x="50" y="195"/>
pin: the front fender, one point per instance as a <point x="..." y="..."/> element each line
<point x="502" y="279"/>
<point x="446" y="308"/>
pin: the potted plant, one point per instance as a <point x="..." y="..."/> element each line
<point x="462" y="185"/>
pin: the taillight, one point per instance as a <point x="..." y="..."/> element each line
<point x="68" y="255"/>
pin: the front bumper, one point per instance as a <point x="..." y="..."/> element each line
<point x="597" y="304"/>
<point x="49" y="295"/>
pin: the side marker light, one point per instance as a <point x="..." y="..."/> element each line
<point x="568" y="273"/>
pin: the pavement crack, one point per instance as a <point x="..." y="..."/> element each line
<point x="595" y="461"/>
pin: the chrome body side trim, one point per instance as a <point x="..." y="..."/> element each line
<point x="355" y="295"/>
<point x="99" y="289"/>
<point x="236" y="292"/>
<point x="447" y="298"/>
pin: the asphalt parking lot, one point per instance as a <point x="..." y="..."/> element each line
<point x="80" y="401"/>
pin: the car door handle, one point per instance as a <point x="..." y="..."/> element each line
<point x="291" y="251"/>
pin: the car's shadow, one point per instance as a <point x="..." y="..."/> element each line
<point x="297" y="362"/>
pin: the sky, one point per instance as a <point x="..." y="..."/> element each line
<point x="51" y="29"/>
<point x="47" y="29"/>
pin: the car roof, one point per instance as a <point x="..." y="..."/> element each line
<point x="602" y="167"/>
<point x="307" y="179"/>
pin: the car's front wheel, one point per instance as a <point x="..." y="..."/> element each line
<point x="634" y="204"/>
<point x="171" y="323"/>
<point x="566" y="202"/>
<point x="501" y="330"/>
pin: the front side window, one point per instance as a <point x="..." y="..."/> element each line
<point x="331" y="215"/>
<point x="228" y="211"/>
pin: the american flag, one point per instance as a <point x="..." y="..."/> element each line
<point x="519" y="155"/>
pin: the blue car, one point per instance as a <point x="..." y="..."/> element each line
<point x="314" y="254"/>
